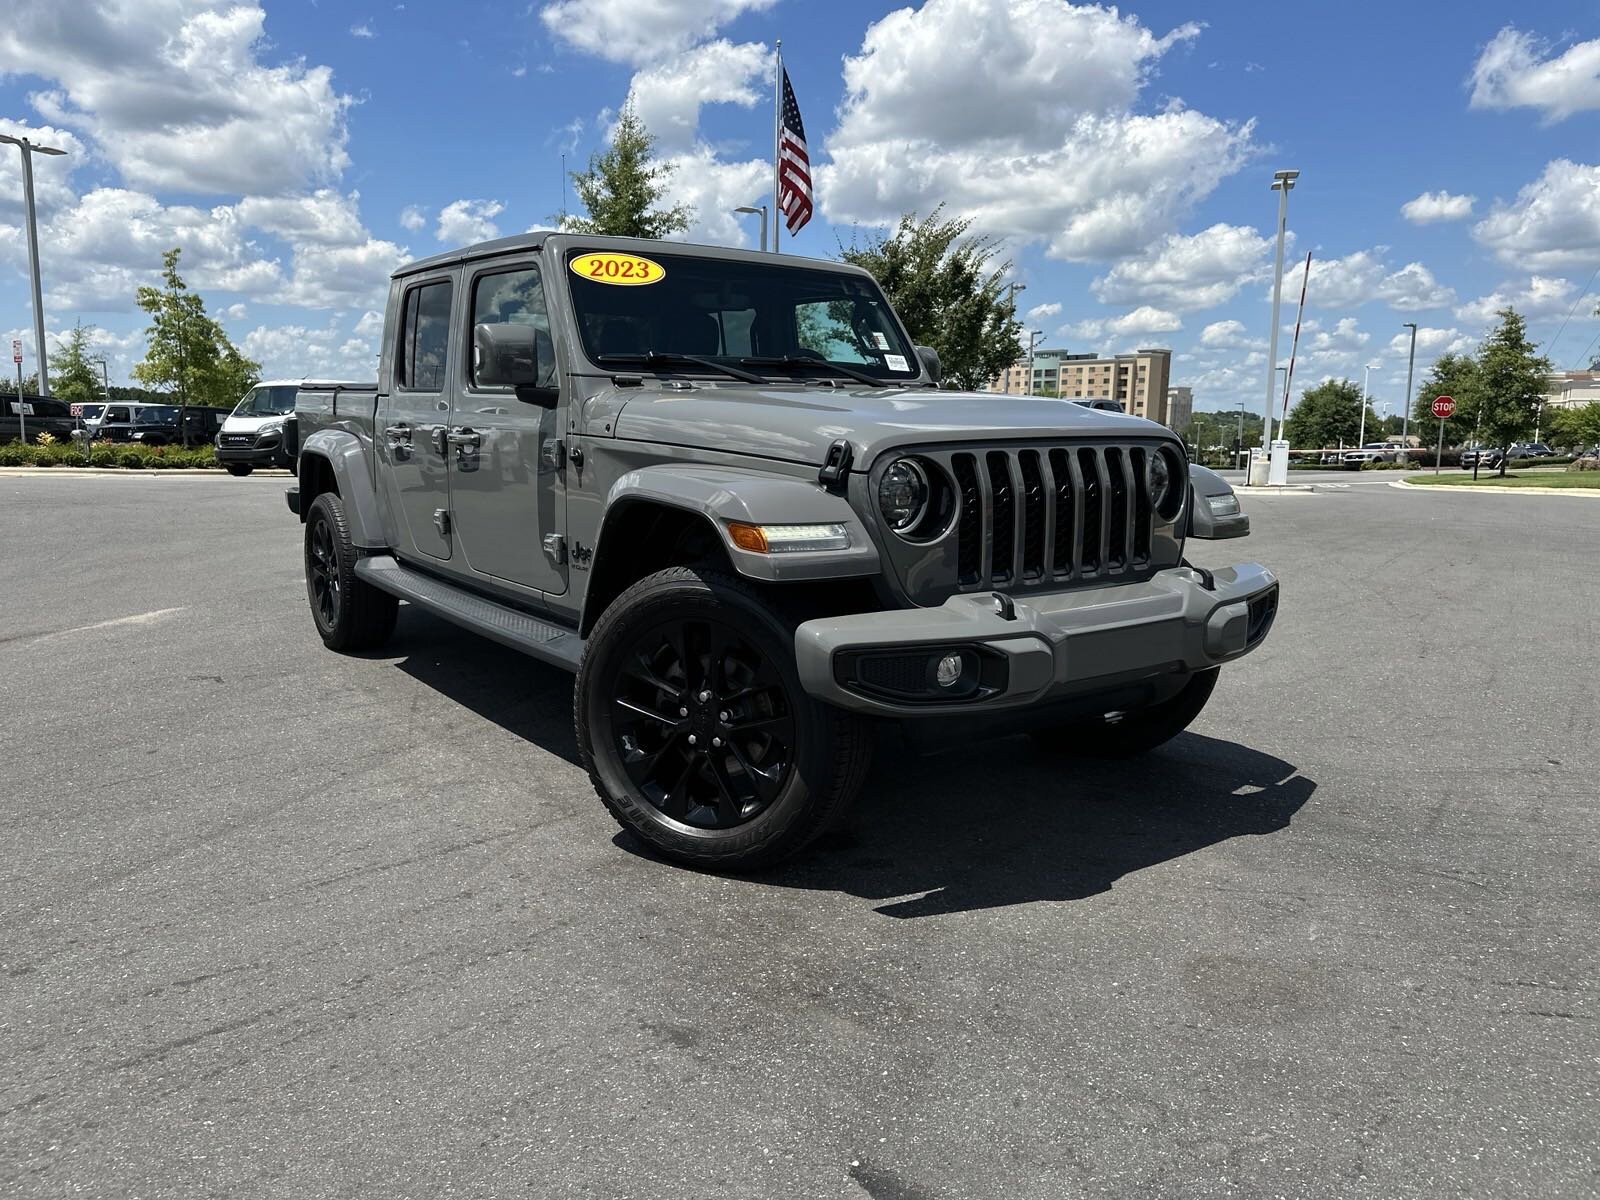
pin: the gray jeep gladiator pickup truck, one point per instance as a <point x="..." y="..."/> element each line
<point x="726" y="490"/>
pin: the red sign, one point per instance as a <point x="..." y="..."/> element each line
<point x="1444" y="407"/>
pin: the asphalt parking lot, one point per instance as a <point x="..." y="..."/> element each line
<point x="279" y="923"/>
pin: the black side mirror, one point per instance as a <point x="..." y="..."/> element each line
<point x="515" y="356"/>
<point x="930" y="362"/>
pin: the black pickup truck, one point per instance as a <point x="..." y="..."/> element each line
<point x="42" y="414"/>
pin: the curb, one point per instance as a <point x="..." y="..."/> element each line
<point x="1492" y="489"/>
<point x="141" y="472"/>
<point x="1288" y="489"/>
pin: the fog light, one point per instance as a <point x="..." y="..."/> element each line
<point x="948" y="673"/>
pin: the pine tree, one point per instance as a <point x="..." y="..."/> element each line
<point x="1512" y="380"/>
<point x="622" y="188"/>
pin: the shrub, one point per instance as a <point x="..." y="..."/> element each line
<point x="1584" y="464"/>
<point x="13" y="454"/>
<point x="45" y="439"/>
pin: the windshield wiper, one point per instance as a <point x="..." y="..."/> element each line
<point x="794" y="360"/>
<point x="651" y="358"/>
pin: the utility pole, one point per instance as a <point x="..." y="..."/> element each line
<point x="1361" y="438"/>
<point x="29" y="149"/>
<point x="1011" y="294"/>
<point x="1405" y="409"/>
<point x="1283" y="184"/>
<point x="1033" y="340"/>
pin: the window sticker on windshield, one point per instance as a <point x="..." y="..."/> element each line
<point x="619" y="270"/>
<point x="878" y="340"/>
<point x="895" y="362"/>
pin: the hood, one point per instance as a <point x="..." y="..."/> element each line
<point x="798" y="424"/>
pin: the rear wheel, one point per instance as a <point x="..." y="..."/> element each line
<point x="695" y="731"/>
<point x="1125" y="735"/>
<point x="239" y="469"/>
<point x="350" y="614"/>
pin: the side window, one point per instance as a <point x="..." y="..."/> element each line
<point x="116" y="414"/>
<point x="425" y="337"/>
<point x="513" y="297"/>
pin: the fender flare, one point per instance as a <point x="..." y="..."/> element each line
<point x="347" y="462"/>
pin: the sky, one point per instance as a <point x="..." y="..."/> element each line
<point x="298" y="151"/>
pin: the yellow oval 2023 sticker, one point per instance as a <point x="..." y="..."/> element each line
<point x="620" y="270"/>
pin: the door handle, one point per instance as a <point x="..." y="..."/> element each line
<point x="462" y="436"/>
<point x="398" y="438"/>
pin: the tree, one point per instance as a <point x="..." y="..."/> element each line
<point x="1577" y="425"/>
<point x="623" y="186"/>
<point x="1327" y="415"/>
<point x="73" y="377"/>
<point x="1456" y="376"/>
<point x="187" y="352"/>
<point x="949" y="292"/>
<point x="1512" y="380"/>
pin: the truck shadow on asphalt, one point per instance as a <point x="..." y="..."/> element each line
<point x="1002" y="822"/>
<point x="986" y="825"/>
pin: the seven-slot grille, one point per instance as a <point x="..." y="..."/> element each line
<point x="1051" y="514"/>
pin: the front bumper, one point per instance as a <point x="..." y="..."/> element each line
<point x="269" y="452"/>
<point x="1047" y="647"/>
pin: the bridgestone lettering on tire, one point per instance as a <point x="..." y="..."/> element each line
<point x="695" y="731"/>
<point x="350" y="615"/>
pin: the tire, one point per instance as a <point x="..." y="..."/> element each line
<point x="239" y="470"/>
<point x="686" y="657"/>
<point x="350" y="615"/>
<point x="1134" y="733"/>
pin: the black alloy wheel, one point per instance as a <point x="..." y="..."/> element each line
<point x="322" y="571"/>
<point x="702" y="724"/>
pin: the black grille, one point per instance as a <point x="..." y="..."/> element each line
<point x="1055" y="514"/>
<point x="238" y="439"/>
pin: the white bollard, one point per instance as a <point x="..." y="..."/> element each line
<point x="1278" y="472"/>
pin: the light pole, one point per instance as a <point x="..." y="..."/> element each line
<point x="753" y="210"/>
<point x="1033" y="340"/>
<point x="1283" y="184"/>
<point x="1405" y="409"/>
<point x="1361" y="438"/>
<point x="105" y="377"/>
<point x="29" y="149"/>
<point x="1011" y="295"/>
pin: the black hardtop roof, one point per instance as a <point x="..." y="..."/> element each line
<point x="644" y="246"/>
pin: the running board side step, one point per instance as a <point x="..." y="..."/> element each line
<point x="549" y="643"/>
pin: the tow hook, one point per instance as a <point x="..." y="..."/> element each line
<point x="1207" y="579"/>
<point x="1005" y="606"/>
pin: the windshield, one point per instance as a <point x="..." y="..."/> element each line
<point x="733" y="310"/>
<point x="90" y="411"/>
<point x="159" y="414"/>
<point x="267" y="402"/>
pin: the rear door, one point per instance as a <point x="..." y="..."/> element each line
<point x="507" y="491"/>
<point x="413" y="418"/>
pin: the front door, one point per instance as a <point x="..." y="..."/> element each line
<point x="507" y="495"/>
<point x="413" y="418"/>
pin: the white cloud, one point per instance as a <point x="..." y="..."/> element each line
<point x="1230" y="335"/>
<point x="1542" y="296"/>
<point x="324" y="217"/>
<point x="462" y="222"/>
<point x="1431" y="343"/>
<point x="52" y="187"/>
<point x="370" y="323"/>
<point x="667" y="97"/>
<point x="1345" y="336"/>
<point x="1437" y="206"/>
<point x="362" y="31"/>
<point x="1514" y="72"/>
<point x="1040" y="311"/>
<point x="1141" y="320"/>
<point x="354" y="275"/>
<point x="640" y="31"/>
<point x="1068" y="163"/>
<point x="1414" y="289"/>
<point x="1553" y="223"/>
<point x="326" y="351"/>
<point x="175" y="96"/>
<point x="714" y="188"/>
<point x="1188" y="272"/>
<point x="1364" y="277"/>
<point x="412" y="217"/>
<point x="236" y="312"/>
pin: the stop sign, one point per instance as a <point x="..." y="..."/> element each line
<point x="1444" y="407"/>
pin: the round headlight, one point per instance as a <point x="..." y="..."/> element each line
<point x="1164" y="479"/>
<point x="903" y="494"/>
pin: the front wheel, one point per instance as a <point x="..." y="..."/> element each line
<point x="350" y="614"/>
<point x="239" y="470"/>
<point x="695" y="731"/>
<point x="1128" y="734"/>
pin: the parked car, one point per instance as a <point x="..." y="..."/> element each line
<point x="116" y="422"/>
<point x="252" y="434"/>
<point x="87" y="416"/>
<point x="1354" y="460"/>
<point x="726" y="490"/>
<point x="1530" y="450"/>
<point x="177" y="425"/>
<point x="42" y="414"/>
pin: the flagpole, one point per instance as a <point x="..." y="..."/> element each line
<point x="777" y="162"/>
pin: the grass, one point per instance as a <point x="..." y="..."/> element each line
<point x="1588" y="480"/>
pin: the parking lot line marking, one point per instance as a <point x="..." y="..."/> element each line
<point x="144" y="618"/>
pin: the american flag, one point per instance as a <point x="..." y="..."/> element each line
<point x="794" y="164"/>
